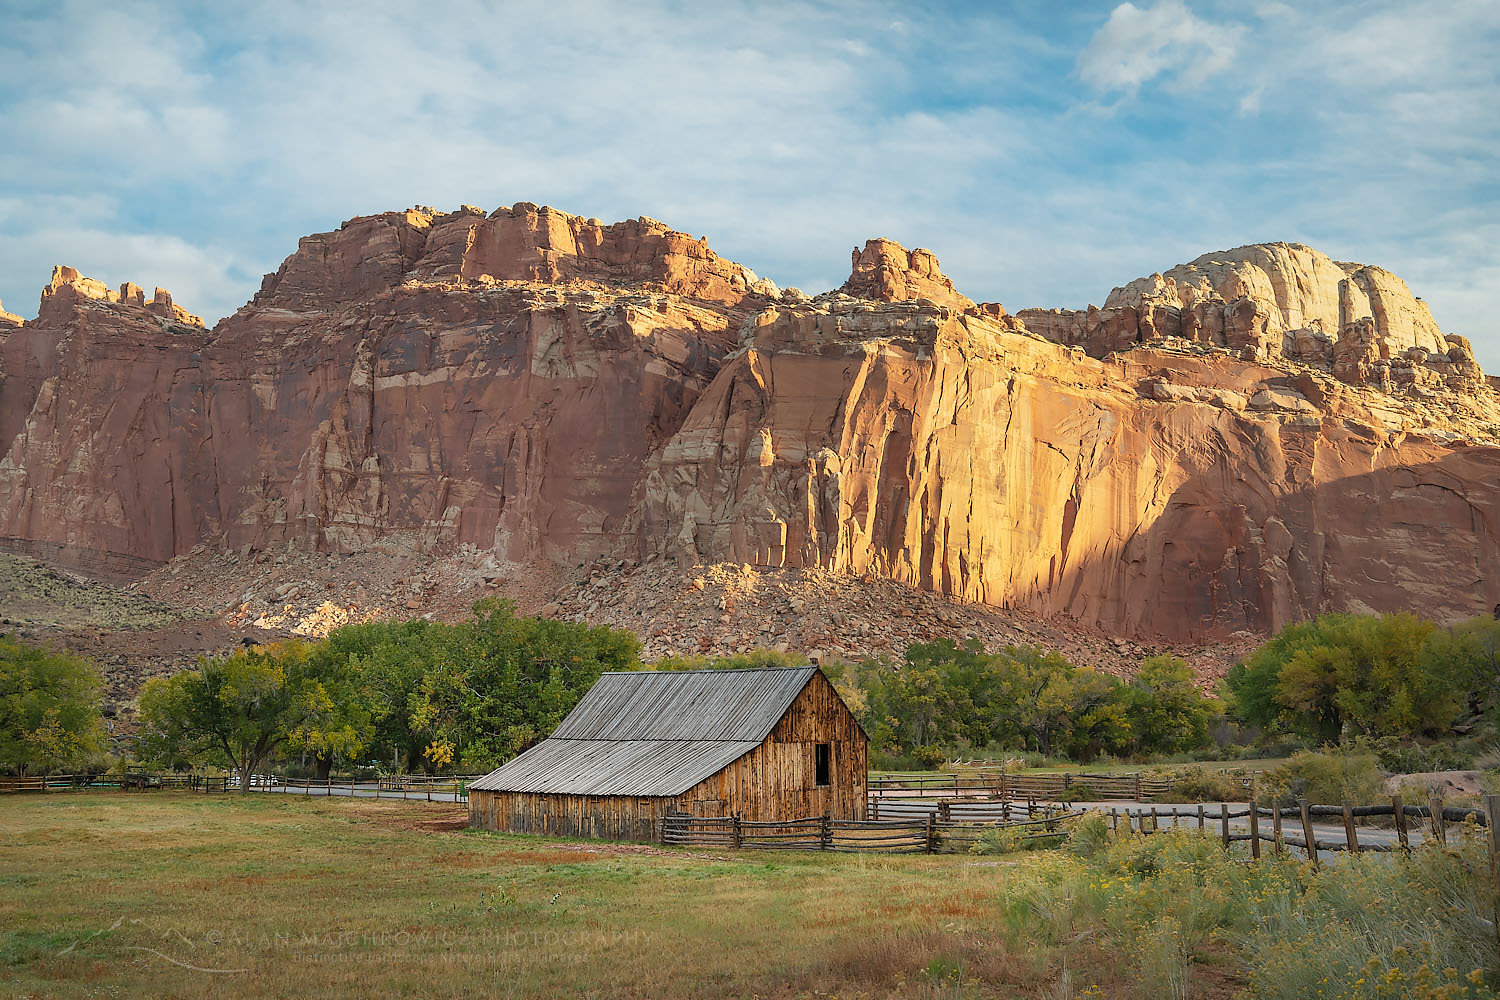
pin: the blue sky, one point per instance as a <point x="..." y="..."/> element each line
<point x="1046" y="152"/>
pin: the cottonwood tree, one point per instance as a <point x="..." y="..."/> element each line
<point x="1346" y="675"/>
<point x="241" y="709"/>
<point x="49" y="709"/>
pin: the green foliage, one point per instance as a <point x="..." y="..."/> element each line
<point x="1167" y="712"/>
<point x="1089" y="837"/>
<point x="1467" y="656"/>
<point x="513" y="681"/>
<point x="1328" y="776"/>
<point x="1200" y="784"/>
<point x="946" y="697"/>
<point x="1401" y="757"/>
<point x="414" y="695"/>
<point x="1341" y="675"/>
<point x="49" y="709"/>
<point x="238" y="710"/>
<point x="1010" y="839"/>
<point x="755" y="659"/>
<point x="1372" y="926"/>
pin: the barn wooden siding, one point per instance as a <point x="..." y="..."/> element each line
<point x="605" y="817"/>
<point x="775" y="780"/>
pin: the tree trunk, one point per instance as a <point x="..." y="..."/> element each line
<point x="325" y="767"/>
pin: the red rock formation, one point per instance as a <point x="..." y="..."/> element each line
<point x="887" y="272"/>
<point x="551" y="389"/>
<point x="942" y="451"/>
<point x="104" y="424"/>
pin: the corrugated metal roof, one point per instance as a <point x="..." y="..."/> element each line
<point x="685" y="705"/>
<point x="654" y="733"/>
<point x="614" y="767"/>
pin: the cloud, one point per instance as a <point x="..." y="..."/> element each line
<point x="37" y="233"/>
<point x="191" y="145"/>
<point x="1135" y="46"/>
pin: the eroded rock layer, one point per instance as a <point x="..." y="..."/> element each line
<point x="1256" y="436"/>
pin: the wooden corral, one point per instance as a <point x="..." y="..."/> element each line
<point x="773" y="744"/>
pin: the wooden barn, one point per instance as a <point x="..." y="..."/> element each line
<point x="770" y="744"/>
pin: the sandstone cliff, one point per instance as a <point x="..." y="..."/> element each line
<point x="1256" y="436"/>
<point x="1278" y="301"/>
<point x="1157" y="493"/>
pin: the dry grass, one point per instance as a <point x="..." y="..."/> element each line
<point x="178" y="895"/>
<point x="137" y="895"/>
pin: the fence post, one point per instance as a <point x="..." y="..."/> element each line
<point x="738" y="834"/>
<point x="825" y="838"/>
<point x="1401" y="833"/>
<point x="1276" y="825"/>
<point x="1254" y="829"/>
<point x="1351" y="835"/>
<point x="1138" y="786"/>
<point x="1439" y="826"/>
<point x="1200" y="817"/>
<point x="1224" y="821"/>
<point x="1114" y="818"/>
<point x="945" y="812"/>
<point x="929" y="834"/>
<point x="1307" y="832"/>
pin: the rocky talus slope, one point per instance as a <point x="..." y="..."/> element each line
<point x="422" y="408"/>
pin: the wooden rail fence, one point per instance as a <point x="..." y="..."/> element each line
<point x="130" y="780"/>
<point x="399" y="787"/>
<point x="1438" y="818"/>
<point x="821" y="833"/>
<point x="1080" y="786"/>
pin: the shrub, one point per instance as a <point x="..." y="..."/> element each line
<point x="1010" y="839"/>
<point x="1001" y="840"/>
<point x="1201" y="784"/>
<point x="1405" y="758"/>
<point x="929" y="757"/>
<point x="1379" y="926"/>
<point x="1328" y="776"/>
<point x="1089" y="836"/>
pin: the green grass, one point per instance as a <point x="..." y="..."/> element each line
<point x="176" y="895"/>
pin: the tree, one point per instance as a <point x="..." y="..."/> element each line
<point x="1467" y="658"/>
<point x="49" y="709"/>
<point x="498" y="684"/>
<point x="238" y="710"/>
<point x="1166" y="711"/>
<point x="382" y="665"/>
<point x="1343" y="675"/>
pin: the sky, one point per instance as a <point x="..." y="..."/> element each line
<point x="1045" y="152"/>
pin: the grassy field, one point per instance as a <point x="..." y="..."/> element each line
<point x="175" y="895"/>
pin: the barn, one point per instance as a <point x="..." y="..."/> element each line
<point x="766" y="744"/>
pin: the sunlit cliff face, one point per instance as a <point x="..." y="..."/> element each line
<point x="1258" y="435"/>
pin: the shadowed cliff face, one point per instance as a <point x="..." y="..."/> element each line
<point x="552" y="389"/>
